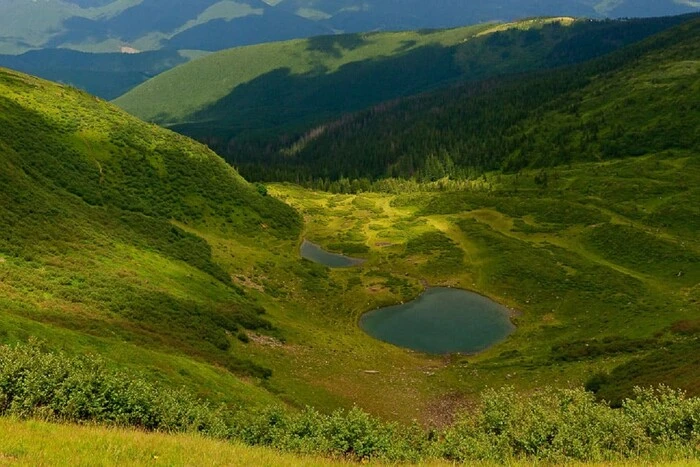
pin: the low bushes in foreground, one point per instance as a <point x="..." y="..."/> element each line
<point x="35" y="383"/>
<point x="552" y="424"/>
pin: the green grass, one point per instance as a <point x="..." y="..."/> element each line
<point x="40" y="443"/>
<point x="593" y="288"/>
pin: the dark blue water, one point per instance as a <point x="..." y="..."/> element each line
<point x="315" y="253"/>
<point x="441" y="321"/>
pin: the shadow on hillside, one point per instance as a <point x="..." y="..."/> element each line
<point x="280" y="96"/>
<point x="286" y="102"/>
<point x="335" y="45"/>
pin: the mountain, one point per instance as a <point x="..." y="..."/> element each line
<point x="105" y="26"/>
<point x="106" y="75"/>
<point x="261" y="98"/>
<point x="638" y="100"/>
<point x="145" y="284"/>
<point x="146" y="24"/>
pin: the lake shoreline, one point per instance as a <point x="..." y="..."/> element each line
<point x="441" y="321"/>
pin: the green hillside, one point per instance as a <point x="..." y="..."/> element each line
<point x="258" y="98"/>
<point x="96" y="252"/>
<point x="639" y="100"/>
<point x="228" y="70"/>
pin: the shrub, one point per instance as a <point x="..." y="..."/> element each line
<point x="553" y="425"/>
<point x="562" y="424"/>
<point x="54" y="386"/>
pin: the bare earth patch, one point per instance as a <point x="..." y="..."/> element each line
<point x="442" y="411"/>
<point x="265" y="341"/>
<point x="245" y="282"/>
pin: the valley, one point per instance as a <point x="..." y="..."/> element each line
<point x="536" y="251"/>
<point x="542" y="177"/>
<point x="309" y="349"/>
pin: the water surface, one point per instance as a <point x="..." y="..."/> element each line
<point x="441" y="321"/>
<point x="315" y="253"/>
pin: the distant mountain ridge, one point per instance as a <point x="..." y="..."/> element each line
<point x="262" y="99"/>
<point x="106" y="25"/>
<point x="106" y="75"/>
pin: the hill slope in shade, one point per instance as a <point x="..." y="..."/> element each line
<point x="240" y="68"/>
<point x="640" y="100"/>
<point x="259" y="98"/>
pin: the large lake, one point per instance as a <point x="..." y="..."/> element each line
<point x="315" y="253"/>
<point x="441" y="321"/>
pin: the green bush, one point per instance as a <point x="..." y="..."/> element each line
<point x="243" y="337"/>
<point x="553" y="425"/>
<point x="560" y="425"/>
<point x="350" y="434"/>
<point x="54" y="386"/>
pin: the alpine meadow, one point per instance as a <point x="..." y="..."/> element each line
<point x="348" y="239"/>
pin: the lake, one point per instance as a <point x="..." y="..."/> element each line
<point x="315" y="253"/>
<point x="441" y="321"/>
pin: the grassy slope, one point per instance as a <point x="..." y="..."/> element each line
<point x="639" y="100"/>
<point x="37" y="443"/>
<point x="125" y="240"/>
<point x="226" y="70"/>
<point x="89" y="260"/>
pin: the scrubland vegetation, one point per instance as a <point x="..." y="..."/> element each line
<point x="552" y="425"/>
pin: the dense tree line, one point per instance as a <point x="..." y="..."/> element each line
<point x="582" y="112"/>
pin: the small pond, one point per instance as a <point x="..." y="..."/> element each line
<point x="315" y="253"/>
<point x="441" y="321"/>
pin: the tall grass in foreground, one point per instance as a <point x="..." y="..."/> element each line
<point x="555" y="425"/>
